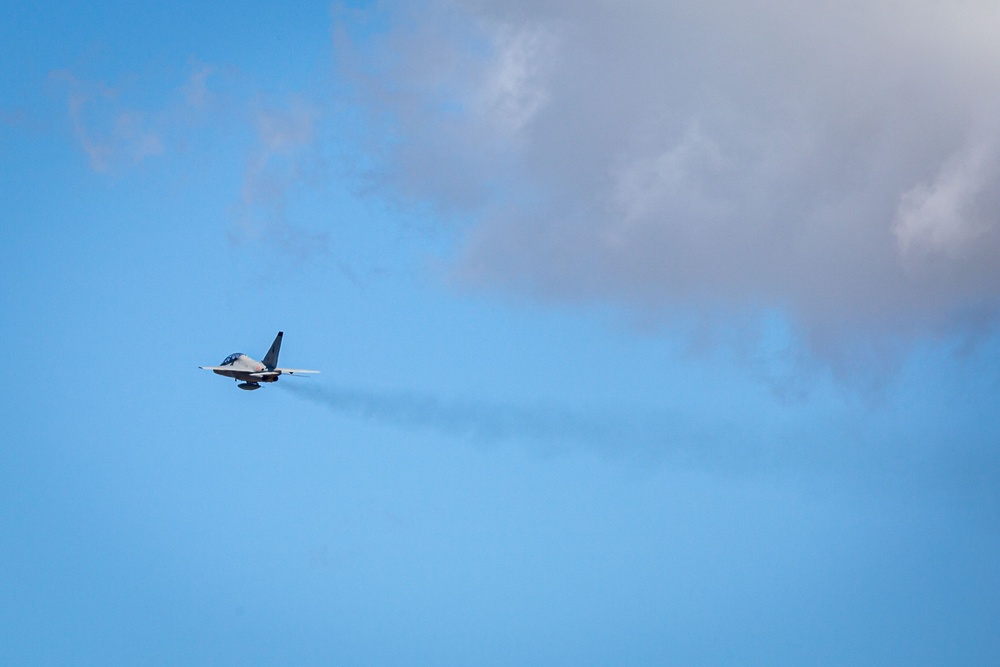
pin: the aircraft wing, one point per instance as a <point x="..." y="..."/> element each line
<point x="293" y="371"/>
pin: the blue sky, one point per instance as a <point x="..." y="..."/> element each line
<point x="647" y="336"/>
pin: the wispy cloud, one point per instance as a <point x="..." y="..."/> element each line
<point x="196" y="91"/>
<point x="284" y="156"/>
<point x="117" y="132"/>
<point x="116" y="136"/>
<point x="12" y="118"/>
<point x="111" y="135"/>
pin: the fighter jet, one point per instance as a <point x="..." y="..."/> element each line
<point x="250" y="372"/>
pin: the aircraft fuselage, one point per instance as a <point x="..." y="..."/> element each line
<point x="241" y="367"/>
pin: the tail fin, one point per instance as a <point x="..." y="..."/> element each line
<point x="271" y="358"/>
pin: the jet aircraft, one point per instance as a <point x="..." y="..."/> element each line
<point x="250" y="372"/>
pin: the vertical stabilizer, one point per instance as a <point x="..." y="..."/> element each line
<point x="271" y="358"/>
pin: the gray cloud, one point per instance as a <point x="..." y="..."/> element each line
<point x="836" y="160"/>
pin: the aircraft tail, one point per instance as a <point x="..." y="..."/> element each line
<point x="271" y="358"/>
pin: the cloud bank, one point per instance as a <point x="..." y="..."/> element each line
<point x="834" y="160"/>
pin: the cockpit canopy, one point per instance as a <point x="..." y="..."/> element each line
<point x="231" y="358"/>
